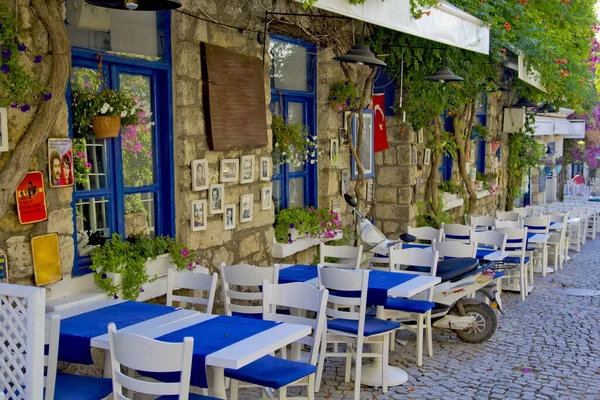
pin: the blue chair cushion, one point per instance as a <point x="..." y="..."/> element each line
<point x="408" y="305"/>
<point x="192" y="396"/>
<point x="516" y="260"/>
<point x="373" y="326"/>
<point x="271" y="372"/>
<point x="284" y="311"/>
<point x="78" y="387"/>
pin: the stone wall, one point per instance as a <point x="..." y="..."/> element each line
<point x="15" y="239"/>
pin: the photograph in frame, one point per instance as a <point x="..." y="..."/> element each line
<point x="343" y="137"/>
<point x="247" y="169"/>
<point x="246" y="205"/>
<point x="335" y="205"/>
<point x="3" y="268"/>
<point x="60" y="162"/>
<point x="334" y="146"/>
<point x="420" y="136"/>
<point x="427" y="157"/>
<point x="215" y="198"/>
<point x="265" y="168"/>
<point x="230" y="170"/>
<point x="367" y="156"/>
<point x="3" y="129"/>
<point x="199" y="175"/>
<point x="198" y="215"/>
<point x="345" y="181"/>
<point x="414" y="154"/>
<point x="266" y="198"/>
<point x="369" y="192"/>
<point x="229" y="217"/>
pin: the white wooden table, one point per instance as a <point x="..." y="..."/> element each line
<point x="541" y="239"/>
<point x="235" y="356"/>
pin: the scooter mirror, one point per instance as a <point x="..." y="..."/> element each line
<point x="405" y="237"/>
<point x="350" y="200"/>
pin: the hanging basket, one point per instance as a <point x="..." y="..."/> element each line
<point x="106" y="127"/>
<point x="495" y="145"/>
<point x="337" y="107"/>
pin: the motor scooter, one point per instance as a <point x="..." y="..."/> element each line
<point x="471" y="319"/>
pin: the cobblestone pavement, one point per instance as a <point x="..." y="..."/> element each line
<point x="547" y="347"/>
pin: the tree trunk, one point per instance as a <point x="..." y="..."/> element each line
<point x="11" y="175"/>
<point x="431" y="190"/>
<point x="462" y="136"/>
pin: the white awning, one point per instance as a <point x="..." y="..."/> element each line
<point x="520" y="66"/>
<point x="445" y="24"/>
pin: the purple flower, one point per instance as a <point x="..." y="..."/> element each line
<point x="191" y="266"/>
<point x="347" y="83"/>
<point x="47" y="96"/>
<point x="141" y="290"/>
<point x="22" y="47"/>
<point x="292" y="226"/>
<point x="5" y="69"/>
<point x="25" y="107"/>
<point x="88" y="165"/>
<point x="14" y="105"/>
<point x="334" y="98"/>
<point x="184" y="252"/>
<point x="6" y="53"/>
<point x="322" y="223"/>
<point x="38" y="59"/>
<point x="115" y="297"/>
<point x="299" y="222"/>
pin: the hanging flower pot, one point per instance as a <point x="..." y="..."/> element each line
<point x="337" y="107"/>
<point x="548" y="170"/>
<point x="106" y="127"/>
<point x="495" y="145"/>
<point x="558" y="168"/>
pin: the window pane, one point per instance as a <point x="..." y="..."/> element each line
<point x="296" y="115"/>
<point x="277" y="195"/>
<point x="85" y="79"/>
<point x="139" y="214"/>
<point x="120" y="31"/>
<point x="289" y="66"/>
<point x="90" y="154"/>
<point x="137" y="141"/>
<point x="93" y="223"/>
<point x="297" y="192"/>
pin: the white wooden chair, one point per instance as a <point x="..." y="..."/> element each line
<point x="139" y="353"/>
<point x="516" y="245"/>
<point x="507" y="216"/>
<point x="496" y="241"/>
<point x="558" y="239"/>
<point x="417" y="310"/>
<point x="349" y="324"/>
<point x="582" y="213"/>
<point x="538" y="252"/>
<point x="518" y="224"/>
<point x="280" y="373"/>
<point x="246" y="277"/>
<point x="192" y="280"/>
<point x="454" y="249"/>
<point x="60" y="385"/>
<point x="522" y="211"/>
<point x="348" y="257"/>
<point x="574" y="230"/>
<point x="426" y="233"/>
<point x="456" y="233"/>
<point x="481" y="222"/>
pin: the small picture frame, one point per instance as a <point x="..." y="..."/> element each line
<point x="60" y="162"/>
<point x="230" y="170"/>
<point x="265" y="167"/>
<point x="334" y="146"/>
<point x="266" y="198"/>
<point x="334" y="205"/>
<point x="343" y="137"/>
<point x="369" y="192"/>
<point x="418" y="189"/>
<point x="345" y="181"/>
<point x="427" y="157"/>
<point x="420" y="136"/>
<point x="199" y="175"/>
<point x="3" y="129"/>
<point x="246" y="205"/>
<point x="3" y="268"/>
<point x="216" y="201"/>
<point x="414" y="154"/>
<point x="419" y="160"/>
<point x="247" y="169"/>
<point x="229" y="217"/>
<point x="198" y="215"/>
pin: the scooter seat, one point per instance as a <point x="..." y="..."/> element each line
<point x="449" y="269"/>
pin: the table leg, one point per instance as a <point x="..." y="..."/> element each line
<point x="107" y="365"/>
<point x="218" y="383"/>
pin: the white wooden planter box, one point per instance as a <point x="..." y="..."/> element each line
<point x="452" y="200"/>
<point x="283" y="250"/>
<point x="155" y="268"/>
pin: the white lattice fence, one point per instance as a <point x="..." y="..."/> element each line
<point x="22" y="341"/>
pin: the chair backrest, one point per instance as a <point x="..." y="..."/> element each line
<point x="417" y="258"/>
<point x="482" y="222"/>
<point x="143" y="354"/>
<point x="348" y="257"/>
<point x="522" y="211"/>
<point x="494" y="239"/>
<point x="298" y="296"/>
<point x="457" y="233"/>
<point x="426" y="233"/>
<point x="453" y="249"/>
<point x="507" y="216"/>
<point x="537" y="224"/>
<point x="339" y="280"/>
<point x="197" y="281"/>
<point x="379" y="263"/>
<point x="246" y="277"/>
<point x="508" y="224"/>
<point x="556" y="216"/>
<point x="51" y="336"/>
<point x="516" y="241"/>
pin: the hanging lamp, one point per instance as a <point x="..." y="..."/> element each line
<point x="546" y="108"/>
<point x="137" y="5"/>
<point x="360" y="54"/>
<point x="524" y="102"/>
<point x="444" y="74"/>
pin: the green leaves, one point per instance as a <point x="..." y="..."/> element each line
<point x="292" y="143"/>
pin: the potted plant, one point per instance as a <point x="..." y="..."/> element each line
<point x="292" y="143"/>
<point x="102" y="113"/>
<point x="343" y="96"/>
<point x="295" y="223"/>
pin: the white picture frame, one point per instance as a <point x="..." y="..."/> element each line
<point x="199" y="175"/>
<point x="420" y="136"/>
<point x="334" y="155"/>
<point x="247" y="169"/>
<point x="229" y="217"/>
<point x="198" y="215"/>
<point x="266" y="198"/>
<point x="3" y="129"/>
<point x="265" y="169"/>
<point x="414" y="154"/>
<point x="367" y="155"/>
<point x="246" y="207"/>
<point x="370" y="190"/>
<point x="427" y="157"/>
<point x="216" y="199"/>
<point x="230" y="168"/>
<point x="345" y="181"/>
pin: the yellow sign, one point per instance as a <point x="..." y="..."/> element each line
<point x="46" y="259"/>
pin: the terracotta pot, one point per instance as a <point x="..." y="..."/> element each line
<point x="337" y="107"/>
<point x="495" y="145"/>
<point x="106" y="127"/>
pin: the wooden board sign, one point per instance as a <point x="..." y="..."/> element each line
<point x="233" y="90"/>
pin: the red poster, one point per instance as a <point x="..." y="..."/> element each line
<point x="31" y="199"/>
<point x="381" y="142"/>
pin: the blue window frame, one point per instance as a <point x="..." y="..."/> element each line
<point x="110" y="193"/>
<point x="293" y="95"/>
<point x="446" y="161"/>
<point x="481" y="116"/>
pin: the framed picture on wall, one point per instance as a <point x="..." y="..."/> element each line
<point x="335" y="152"/>
<point x="229" y="217"/>
<point x="3" y="129"/>
<point x="367" y="155"/>
<point x="420" y="136"/>
<point x="334" y="205"/>
<point x="198" y="215"/>
<point x="230" y="170"/>
<point x="345" y="181"/>
<point x="3" y="268"/>
<point x="369" y="192"/>
<point x="344" y="139"/>
<point x="199" y="175"/>
<point x="60" y="162"/>
<point x="247" y="169"/>
<point x="265" y="167"/>
<point x="413" y="154"/>
<point x="246" y="203"/>
<point x="216" y="200"/>
<point x="266" y="198"/>
<point x="427" y="157"/>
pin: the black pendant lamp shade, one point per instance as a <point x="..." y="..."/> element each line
<point x="361" y="54"/>
<point x="524" y="102"/>
<point x="137" y="5"/>
<point x="444" y="74"/>
<point x="546" y="108"/>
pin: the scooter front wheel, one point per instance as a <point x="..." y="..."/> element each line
<point x="483" y="327"/>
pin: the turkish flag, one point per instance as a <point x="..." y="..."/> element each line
<point x="381" y="142"/>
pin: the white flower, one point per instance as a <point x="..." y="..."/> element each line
<point x="283" y="153"/>
<point x="132" y="111"/>
<point x="111" y="109"/>
<point x="104" y="108"/>
<point x="312" y="161"/>
<point x="314" y="138"/>
<point x="123" y="114"/>
<point x="276" y="144"/>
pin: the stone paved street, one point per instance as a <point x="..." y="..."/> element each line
<point x="547" y="347"/>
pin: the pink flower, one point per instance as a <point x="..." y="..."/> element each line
<point x="80" y="154"/>
<point x="88" y="165"/>
<point x="184" y="252"/>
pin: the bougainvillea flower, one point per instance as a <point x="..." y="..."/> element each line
<point x="507" y="26"/>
